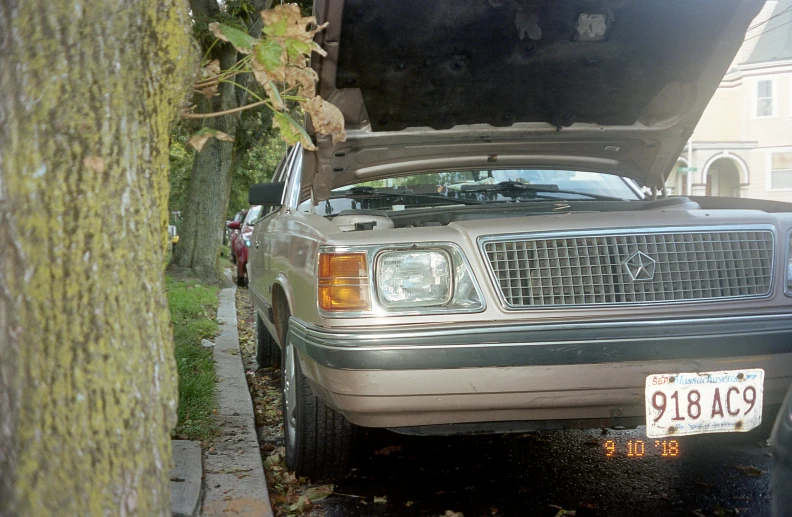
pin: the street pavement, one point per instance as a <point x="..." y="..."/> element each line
<point x="621" y="473"/>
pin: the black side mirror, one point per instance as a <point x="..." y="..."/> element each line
<point x="267" y="194"/>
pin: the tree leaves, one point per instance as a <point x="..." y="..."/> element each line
<point x="280" y="61"/>
<point x="327" y="119"/>
<point x="199" y="139"/>
<point x="270" y="55"/>
<point x="241" y="40"/>
<point x="291" y="131"/>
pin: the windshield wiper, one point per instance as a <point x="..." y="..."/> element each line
<point x="371" y="191"/>
<point x="517" y="187"/>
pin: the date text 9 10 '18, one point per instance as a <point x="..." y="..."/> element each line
<point x="637" y="448"/>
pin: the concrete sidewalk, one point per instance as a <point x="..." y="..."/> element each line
<point x="234" y="481"/>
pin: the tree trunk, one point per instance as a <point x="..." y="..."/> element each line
<point x="87" y="375"/>
<point x="210" y="183"/>
<point x="209" y="189"/>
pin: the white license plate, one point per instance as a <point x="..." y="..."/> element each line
<point x="678" y="404"/>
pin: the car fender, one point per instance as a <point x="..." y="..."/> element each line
<point x="282" y="281"/>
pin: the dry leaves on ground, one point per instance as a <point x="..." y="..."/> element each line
<point x="289" y="495"/>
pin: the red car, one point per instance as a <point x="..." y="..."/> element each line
<point x="240" y="242"/>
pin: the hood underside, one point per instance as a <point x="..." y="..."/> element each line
<point x="616" y="86"/>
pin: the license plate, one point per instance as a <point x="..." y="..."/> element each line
<point x="679" y="404"/>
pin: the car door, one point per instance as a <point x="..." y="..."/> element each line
<point x="259" y="269"/>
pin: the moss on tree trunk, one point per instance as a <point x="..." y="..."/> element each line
<point x="87" y="376"/>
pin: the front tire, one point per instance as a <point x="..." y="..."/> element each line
<point x="268" y="354"/>
<point x="319" y="440"/>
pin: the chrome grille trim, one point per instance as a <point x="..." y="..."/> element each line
<point x="587" y="268"/>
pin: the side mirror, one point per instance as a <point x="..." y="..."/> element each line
<point x="233" y="225"/>
<point x="267" y="194"/>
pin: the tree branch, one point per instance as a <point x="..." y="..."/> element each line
<point x="221" y="113"/>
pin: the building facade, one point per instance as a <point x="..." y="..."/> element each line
<point x="742" y="146"/>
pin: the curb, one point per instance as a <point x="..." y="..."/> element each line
<point x="234" y="481"/>
<point x="185" y="478"/>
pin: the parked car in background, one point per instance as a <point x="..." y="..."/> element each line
<point x="240" y="242"/>
<point x="239" y="217"/>
<point x="478" y="256"/>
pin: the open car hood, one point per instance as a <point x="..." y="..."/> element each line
<point x="613" y="86"/>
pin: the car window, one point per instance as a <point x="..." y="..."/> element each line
<point x="253" y="215"/>
<point x="279" y="175"/>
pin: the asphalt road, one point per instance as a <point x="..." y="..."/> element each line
<point x="542" y="473"/>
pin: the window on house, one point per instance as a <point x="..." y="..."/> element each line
<point x="781" y="173"/>
<point x="764" y="98"/>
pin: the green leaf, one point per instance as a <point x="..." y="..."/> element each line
<point x="291" y="131"/>
<point x="296" y="48"/>
<point x="274" y="95"/>
<point x="276" y="29"/>
<point x="241" y="40"/>
<point x="269" y="54"/>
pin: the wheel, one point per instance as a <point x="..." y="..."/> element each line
<point x="319" y="440"/>
<point x="268" y="353"/>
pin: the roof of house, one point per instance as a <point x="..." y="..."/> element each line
<point x="774" y="37"/>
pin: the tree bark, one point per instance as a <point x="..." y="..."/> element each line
<point x="210" y="183"/>
<point x="87" y="375"/>
<point x="209" y="189"/>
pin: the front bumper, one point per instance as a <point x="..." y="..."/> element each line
<point x="578" y="374"/>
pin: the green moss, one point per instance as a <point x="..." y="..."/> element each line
<point x="192" y="307"/>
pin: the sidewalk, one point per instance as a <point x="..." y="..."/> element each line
<point x="234" y="482"/>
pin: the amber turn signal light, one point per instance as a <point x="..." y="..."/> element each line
<point x="344" y="282"/>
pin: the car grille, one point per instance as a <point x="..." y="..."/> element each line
<point x="632" y="268"/>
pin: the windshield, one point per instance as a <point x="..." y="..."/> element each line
<point x="476" y="187"/>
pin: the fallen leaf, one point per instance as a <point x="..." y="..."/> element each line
<point x="199" y="139"/>
<point x="450" y="513"/>
<point x="387" y="450"/>
<point x="381" y="500"/>
<point x="698" y="513"/>
<point x="408" y="504"/>
<point x="301" y="504"/>
<point x="751" y="471"/>
<point x="318" y="493"/>
<point x="95" y="163"/>
<point x="561" y="511"/>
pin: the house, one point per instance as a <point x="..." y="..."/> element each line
<point x="742" y="146"/>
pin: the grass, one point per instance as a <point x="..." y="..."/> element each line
<point x="193" y="307"/>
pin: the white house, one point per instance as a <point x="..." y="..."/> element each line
<point x="742" y="147"/>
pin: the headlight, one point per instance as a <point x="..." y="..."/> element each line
<point x="402" y="279"/>
<point x="414" y="278"/>
<point x="246" y="241"/>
